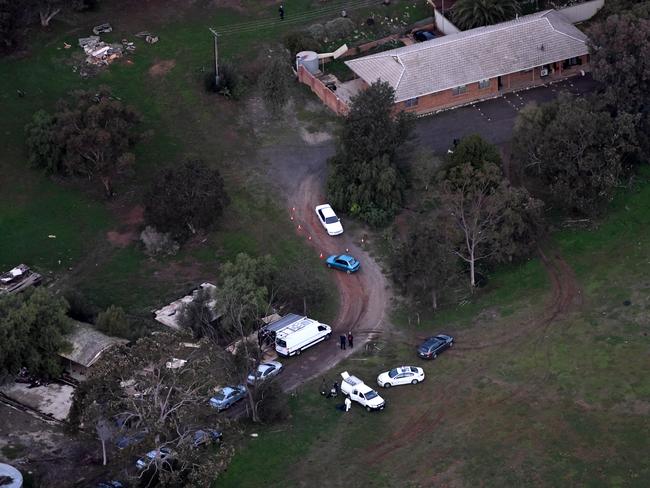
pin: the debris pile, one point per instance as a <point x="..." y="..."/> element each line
<point x="99" y="52"/>
<point x="148" y="36"/>
<point x="102" y="28"/>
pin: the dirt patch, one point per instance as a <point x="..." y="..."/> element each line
<point x="161" y="68"/>
<point x="131" y="219"/>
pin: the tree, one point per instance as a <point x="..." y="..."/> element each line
<point x="475" y="150"/>
<point x="620" y="59"/>
<point x="274" y="83"/>
<point x="7" y="25"/>
<point x="575" y="150"/>
<point x="198" y="316"/>
<point x="468" y="14"/>
<point x="113" y="321"/>
<point x="483" y="217"/>
<point x="422" y="265"/>
<point x="365" y="178"/>
<point x="48" y="9"/>
<point x="297" y="288"/>
<point x="242" y="298"/>
<point x="33" y="326"/>
<point x="89" y="136"/>
<point x="184" y="199"/>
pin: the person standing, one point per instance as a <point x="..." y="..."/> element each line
<point x="342" y="341"/>
<point x="350" y="340"/>
<point x="348" y="404"/>
<point x="281" y="11"/>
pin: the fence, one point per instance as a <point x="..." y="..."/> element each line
<point x="582" y="11"/>
<point x="327" y="96"/>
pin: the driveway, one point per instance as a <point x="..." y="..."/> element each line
<point x="492" y="119"/>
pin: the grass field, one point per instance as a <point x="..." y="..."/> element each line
<point x="567" y="405"/>
<point x="181" y="121"/>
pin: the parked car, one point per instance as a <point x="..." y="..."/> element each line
<point x="343" y="262"/>
<point x="433" y="346"/>
<point x="206" y="436"/>
<point x="110" y="484"/>
<point x="423" y="35"/>
<point x="227" y="396"/>
<point x="359" y="392"/>
<point x="125" y="441"/>
<point x="329" y="220"/>
<point x="164" y="455"/>
<point x="264" y="371"/>
<point x="404" y="375"/>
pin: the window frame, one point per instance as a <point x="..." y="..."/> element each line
<point x="484" y="84"/>
<point x="459" y="90"/>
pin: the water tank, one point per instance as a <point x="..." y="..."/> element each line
<point x="12" y="474"/>
<point x="308" y="59"/>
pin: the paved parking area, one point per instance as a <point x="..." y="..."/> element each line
<point x="492" y="119"/>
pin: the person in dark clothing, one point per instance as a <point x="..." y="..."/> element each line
<point x="342" y="339"/>
<point x="350" y="340"/>
<point x="335" y="388"/>
<point x="281" y="10"/>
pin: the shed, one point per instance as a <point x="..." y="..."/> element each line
<point x="88" y="344"/>
<point x="169" y="314"/>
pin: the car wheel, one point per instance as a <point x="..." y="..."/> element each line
<point x="348" y="271"/>
<point x="387" y="385"/>
<point x="414" y="382"/>
<point x="228" y="405"/>
<point x="451" y="344"/>
<point x="298" y="352"/>
<point x="434" y="356"/>
<point x="368" y="409"/>
<point x="329" y="265"/>
<point x="328" y="336"/>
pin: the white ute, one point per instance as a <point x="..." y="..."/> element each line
<point x="361" y="393"/>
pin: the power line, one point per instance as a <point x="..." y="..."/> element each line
<point x="269" y="23"/>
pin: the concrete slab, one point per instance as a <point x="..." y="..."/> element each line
<point x="54" y="399"/>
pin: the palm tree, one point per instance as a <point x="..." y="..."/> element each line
<point x="468" y="14"/>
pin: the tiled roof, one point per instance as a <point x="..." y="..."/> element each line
<point x="473" y="55"/>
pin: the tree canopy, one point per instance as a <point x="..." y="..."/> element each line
<point x="90" y="135"/>
<point x="186" y="198"/>
<point x="274" y="83"/>
<point x="33" y="326"/>
<point x="577" y="151"/>
<point x="468" y="14"/>
<point x="365" y="178"/>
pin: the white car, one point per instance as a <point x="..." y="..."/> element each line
<point x="264" y="371"/>
<point x="329" y="219"/>
<point x="403" y="375"/>
<point x="164" y="455"/>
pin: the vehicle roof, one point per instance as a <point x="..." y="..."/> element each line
<point x="228" y="389"/>
<point x="347" y="257"/>
<point x="269" y="364"/>
<point x="328" y="212"/>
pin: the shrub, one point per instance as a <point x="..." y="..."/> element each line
<point x="158" y="242"/>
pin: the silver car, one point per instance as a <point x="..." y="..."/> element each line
<point x="264" y="371"/>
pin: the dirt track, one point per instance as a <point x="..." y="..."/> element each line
<point x="363" y="296"/>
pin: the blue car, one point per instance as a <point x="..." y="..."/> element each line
<point x="227" y="396"/>
<point x="343" y="262"/>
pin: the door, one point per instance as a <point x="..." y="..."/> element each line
<point x="499" y="83"/>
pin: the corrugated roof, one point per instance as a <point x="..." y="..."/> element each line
<point x="88" y="344"/>
<point x="473" y="55"/>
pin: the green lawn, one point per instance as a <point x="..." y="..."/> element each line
<point x="566" y="405"/>
<point x="181" y="121"/>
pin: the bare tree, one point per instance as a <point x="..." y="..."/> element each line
<point x="105" y="431"/>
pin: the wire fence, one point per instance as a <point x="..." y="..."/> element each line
<point x="289" y="19"/>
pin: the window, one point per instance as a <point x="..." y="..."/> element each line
<point x="411" y="102"/>
<point x="483" y="84"/>
<point x="572" y="62"/>
<point x="459" y="90"/>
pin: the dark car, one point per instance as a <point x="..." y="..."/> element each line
<point x="423" y="35"/>
<point x="206" y="436"/>
<point x="433" y="346"/>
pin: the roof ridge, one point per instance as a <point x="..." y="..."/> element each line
<point x="545" y="17"/>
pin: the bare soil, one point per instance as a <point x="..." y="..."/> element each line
<point x="161" y="68"/>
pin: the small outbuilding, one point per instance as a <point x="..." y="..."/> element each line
<point x="170" y="314"/>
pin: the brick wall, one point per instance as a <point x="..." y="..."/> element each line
<point x="327" y="96"/>
<point x="445" y="99"/>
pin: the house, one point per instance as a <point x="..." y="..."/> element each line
<point x="479" y="63"/>
<point x="18" y="279"/>
<point x="88" y="344"/>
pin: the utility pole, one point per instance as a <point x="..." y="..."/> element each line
<point x="215" y="34"/>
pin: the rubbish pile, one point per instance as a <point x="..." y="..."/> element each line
<point x="148" y="36"/>
<point x="99" y="52"/>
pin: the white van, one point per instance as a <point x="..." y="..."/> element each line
<point x="304" y="333"/>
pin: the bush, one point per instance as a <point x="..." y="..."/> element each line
<point x="339" y="28"/>
<point x="158" y="242"/>
<point x="272" y="404"/>
<point x="317" y="32"/>
<point x="114" y="322"/>
<point x="81" y="308"/>
<point x="230" y="82"/>
<point x="296" y="42"/>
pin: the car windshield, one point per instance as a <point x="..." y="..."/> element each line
<point x="371" y="394"/>
<point x="392" y="373"/>
<point x="281" y="343"/>
<point x="220" y="396"/>
<point x="331" y="220"/>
